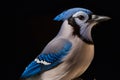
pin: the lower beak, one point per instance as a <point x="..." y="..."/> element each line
<point x="98" y="18"/>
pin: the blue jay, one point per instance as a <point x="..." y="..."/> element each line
<point x="70" y="53"/>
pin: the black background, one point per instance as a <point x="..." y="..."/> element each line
<point x="35" y="28"/>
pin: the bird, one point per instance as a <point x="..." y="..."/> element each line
<point x="69" y="54"/>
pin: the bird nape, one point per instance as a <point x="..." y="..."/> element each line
<point x="70" y="53"/>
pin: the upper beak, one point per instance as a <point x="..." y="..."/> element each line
<point x="98" y="18"/>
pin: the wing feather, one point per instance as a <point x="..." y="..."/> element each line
<point x="50" y="57"/>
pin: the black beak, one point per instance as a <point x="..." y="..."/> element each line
<point x="98" y="18"/>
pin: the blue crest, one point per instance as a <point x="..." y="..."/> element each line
<point x="68" y="13"/>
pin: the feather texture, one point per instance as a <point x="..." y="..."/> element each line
<point x="69" y="54"/>
<point x="46" y="61"/>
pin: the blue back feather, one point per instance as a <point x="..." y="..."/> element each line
<point x="68" y="13"/>
<point x="53" y="58"/>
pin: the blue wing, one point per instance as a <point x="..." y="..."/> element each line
<point x="52" y="56"/>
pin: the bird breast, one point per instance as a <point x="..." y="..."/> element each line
<point x="79" y="59"/>
<point x="74" y="64"/>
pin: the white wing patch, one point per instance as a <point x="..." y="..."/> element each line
<point x="42" y="62"/>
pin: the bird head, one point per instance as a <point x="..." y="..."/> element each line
<point x="81" y="20"/>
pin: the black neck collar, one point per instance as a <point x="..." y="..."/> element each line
<point x="76" y="31"/>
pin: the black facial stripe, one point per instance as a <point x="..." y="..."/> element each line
<point x="76" y="28"/>
<point x="90" y="17"/>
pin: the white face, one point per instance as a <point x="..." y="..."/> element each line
<point x="81" y="19"/>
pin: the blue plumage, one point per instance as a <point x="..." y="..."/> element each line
<point x="73" y="42"/>
<point x="67" y="14"/>
<point x="33" y="68"/>
<point x="52" y="58"/>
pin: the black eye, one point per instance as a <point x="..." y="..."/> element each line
<point x="81" y="17"/>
